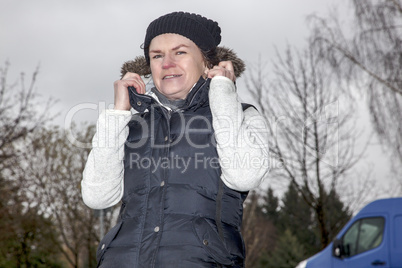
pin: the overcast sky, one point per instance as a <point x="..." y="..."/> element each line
<point x="81" y="45"/>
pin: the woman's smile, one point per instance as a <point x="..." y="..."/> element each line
<point x="171" y="76"/>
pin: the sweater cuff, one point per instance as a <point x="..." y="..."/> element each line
<point x="222" y="84"/>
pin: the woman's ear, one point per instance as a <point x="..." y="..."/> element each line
<point x="206" y="71"/>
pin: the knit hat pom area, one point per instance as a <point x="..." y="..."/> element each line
<point x="205" y="33"/>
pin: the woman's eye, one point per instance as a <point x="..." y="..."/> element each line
<point x="157" y="56"/>
<point x="180" y="52"/>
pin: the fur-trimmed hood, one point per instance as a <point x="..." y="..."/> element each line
<point x="140" y="66"/>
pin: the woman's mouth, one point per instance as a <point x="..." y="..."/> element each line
<point x="171" y="76"/>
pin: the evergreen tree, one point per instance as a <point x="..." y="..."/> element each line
<point x="270" y="206"/>
<point x="296" y="216"/>
<point x="337" y="213"/>
<point x="287" y="254"/>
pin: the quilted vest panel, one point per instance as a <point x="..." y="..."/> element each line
<point x="171" y="185"/>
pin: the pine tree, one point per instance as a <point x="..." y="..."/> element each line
<point x="297" y="217"/>
<point x="287" y="254"/>
<point x="337" y="213"/>
<point x="270" y="206"/>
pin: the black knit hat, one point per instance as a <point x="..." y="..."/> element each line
<point x="205" y="33"/>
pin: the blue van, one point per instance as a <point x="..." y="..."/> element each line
<point x="372" y="238"/>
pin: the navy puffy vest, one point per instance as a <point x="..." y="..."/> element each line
<point x="176" y="211"/>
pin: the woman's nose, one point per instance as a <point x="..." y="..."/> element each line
<point x="168" y="62"/>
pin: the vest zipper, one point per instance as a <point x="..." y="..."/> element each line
<point x="167" y="114"/>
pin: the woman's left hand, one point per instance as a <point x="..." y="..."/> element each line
<point x="224" y="68"/>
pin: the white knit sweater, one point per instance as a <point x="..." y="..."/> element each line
<point x="242" y="145"/>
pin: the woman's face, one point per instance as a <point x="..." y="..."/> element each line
<point x="176" y="64"/>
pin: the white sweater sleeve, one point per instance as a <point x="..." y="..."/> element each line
<point x="241" y="136"/>
<point x="102" y="183"/>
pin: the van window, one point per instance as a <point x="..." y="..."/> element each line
<point x="363" y="235"/>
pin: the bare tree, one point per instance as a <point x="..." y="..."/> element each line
<point x="369" y="52"/>
<point x="21" y="112"/>
<point x="25" y="232"/>
<point x="312" y="129"/>
<point x="52" y="179"/>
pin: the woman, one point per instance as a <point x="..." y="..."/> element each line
<point x="181" y="165"/>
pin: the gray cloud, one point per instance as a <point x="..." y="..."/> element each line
<point x="81" y="45"/>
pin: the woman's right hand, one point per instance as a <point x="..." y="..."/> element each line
<point x="121" y="98"/>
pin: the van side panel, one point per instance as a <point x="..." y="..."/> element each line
<point x="322" y="259"/>
<point x="396" y="249"/>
